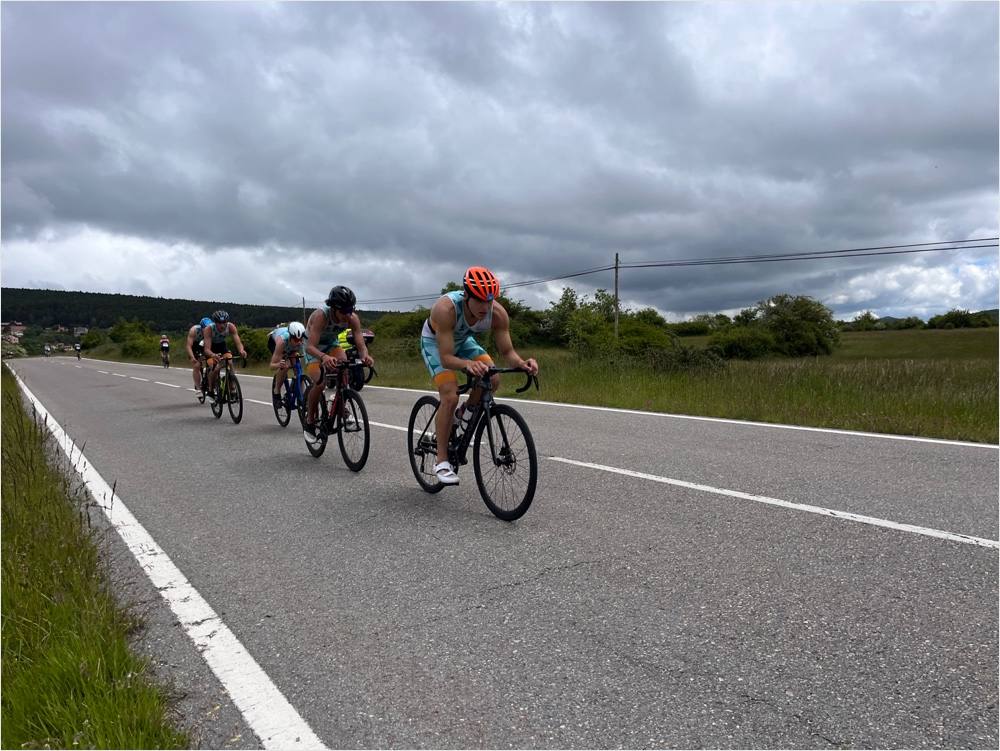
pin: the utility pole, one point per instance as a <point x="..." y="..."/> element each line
<point x="303" y="309"/>
<point x="616" y="297"/>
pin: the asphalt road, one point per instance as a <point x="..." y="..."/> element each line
<point x="619" y="612"/>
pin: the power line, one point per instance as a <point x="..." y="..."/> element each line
<point x="876" y="250"/>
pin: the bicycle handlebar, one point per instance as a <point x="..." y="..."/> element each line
<point x="492" y="371"/>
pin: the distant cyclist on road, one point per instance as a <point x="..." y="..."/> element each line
<point x="195" y="349"/>
<point x="323" y="350"/>
<point x="165" y="349"/>
<point x="448" y="344"/>
<point x="77" y="348"/>
<point x="214" y="345"/>
<point x="281" y="342"/>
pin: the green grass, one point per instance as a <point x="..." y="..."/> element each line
<point x="69" y="678"/>
<point x="931" y="383"/>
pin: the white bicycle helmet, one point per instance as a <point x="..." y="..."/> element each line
<point x="296" y="330"/>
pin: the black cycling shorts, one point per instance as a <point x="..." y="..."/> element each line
<point x="271" y="343"/>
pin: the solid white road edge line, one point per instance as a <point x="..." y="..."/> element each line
<point x="262" y="704"/>
<point x="723" y="420"/>
<point x="968" y="539"/>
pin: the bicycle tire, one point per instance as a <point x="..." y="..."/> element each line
<point x="217" y="402"/>
<point x="352" y="405"/>
<point x="318" y="449"/>
<point x="505" y="466"/>
<point x="420" y="421"/>
<point x="234" y="399"/>
<point x="300" y="402"/>
<point x="281" y="410"/>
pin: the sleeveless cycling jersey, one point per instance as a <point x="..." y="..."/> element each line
<point x="463" y="330"/>
<point x="219" y="338"/>
<point x="331" y="331"/>
<point x="282" y="333"/>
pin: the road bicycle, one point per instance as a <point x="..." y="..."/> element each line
<point x="344" y="413"/>
<point x="165" y="357"/>
<point x="78" y="355"/>
<point x="229" y="391"/>
<point x="503" y="451"/>
<point x="292" y="392"/>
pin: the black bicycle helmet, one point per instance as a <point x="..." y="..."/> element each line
<point x="341" y="298"/>
<point x="220" y="316"/>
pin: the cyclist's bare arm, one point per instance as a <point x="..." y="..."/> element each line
<point x="236" y="340"/>
<point x="359" y="340"/>
<point x="190" y="344"/>
<point x="501" y="335"/>
<point x="279" y="353"/>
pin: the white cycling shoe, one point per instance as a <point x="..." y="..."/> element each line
<point x="445" y="473"/>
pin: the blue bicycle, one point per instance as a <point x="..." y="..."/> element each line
<point x="292" y="392"/>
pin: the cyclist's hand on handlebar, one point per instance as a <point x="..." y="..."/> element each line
<point x="530" y="365"/>
<point x="477" y="368"/>
<point x="368" y="360"/>
<point x="243" y="354"/>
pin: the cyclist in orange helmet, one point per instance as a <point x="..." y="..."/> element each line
<point x="448" y="344"/>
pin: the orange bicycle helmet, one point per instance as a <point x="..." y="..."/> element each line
<point x="482" y="283"/>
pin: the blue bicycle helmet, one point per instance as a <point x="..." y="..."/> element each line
<point x="206" y="322"/>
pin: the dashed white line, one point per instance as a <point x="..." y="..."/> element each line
<point x="929" y="532"/>
<point x="171" y="385"/>
<point x="104" y="371"/>
<point x="119" y="375"/>
<point x="267" y="711"/>
<point x="136" y="378"/>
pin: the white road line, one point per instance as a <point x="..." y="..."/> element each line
<point x="171" y="385"/>
<point x="104" y="371"/>
<point x="136" y="378"/>
<point x="619" y="410"/>
<point x="77" y="366"/>
<point x="968" y="539"/>
<point x="119" y="375"/>
<point x="265" y="708"/>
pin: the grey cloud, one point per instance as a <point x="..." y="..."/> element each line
<point x="547" y="136"/>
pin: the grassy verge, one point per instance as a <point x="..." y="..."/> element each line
<point x="69" y="679"/>
<point x="931" y="383"/>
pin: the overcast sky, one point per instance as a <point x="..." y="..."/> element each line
<point x="261" y="152"/>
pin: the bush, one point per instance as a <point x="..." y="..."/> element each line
<point x="255" y="343"/>
<point x="743" y="343"/>
<point x="400" y="325"/>
<point x="800" y="325"/>
<point x="959" y="319"/>
<point x="93" y="338"/>
<point x="139" y="345"/>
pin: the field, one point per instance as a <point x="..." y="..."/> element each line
<point x="932" y="383"/>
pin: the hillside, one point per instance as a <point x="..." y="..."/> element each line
<point x="44" y="307"/>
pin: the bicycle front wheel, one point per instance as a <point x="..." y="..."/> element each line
<point x="300" y="403"/>
<point x="354" y="437"/>
<point x="421" y="443"/>
<point x="505" y="463"/>
<point x="281" y="409"/>
<point x="235" y="400"/>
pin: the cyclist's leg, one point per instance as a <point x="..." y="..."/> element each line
<point x="446" y="382"/>
<point x="215" y="365"/>
<point x="315" y="373"/>
<point x="196" y="368"/>
<point x="470" y="349"/>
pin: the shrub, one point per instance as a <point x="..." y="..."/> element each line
<point x="743" y="343"/>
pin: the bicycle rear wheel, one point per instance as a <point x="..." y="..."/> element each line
<point x="317" y="449"/>
<point x="235" y="399"/>
<point x="282" y="412"/>
<point x="505" y="463"/>
<point x="354" y="436"/>
<point x="421" y="443"/>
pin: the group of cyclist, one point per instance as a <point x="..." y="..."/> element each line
<point x="447" y="343"/>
